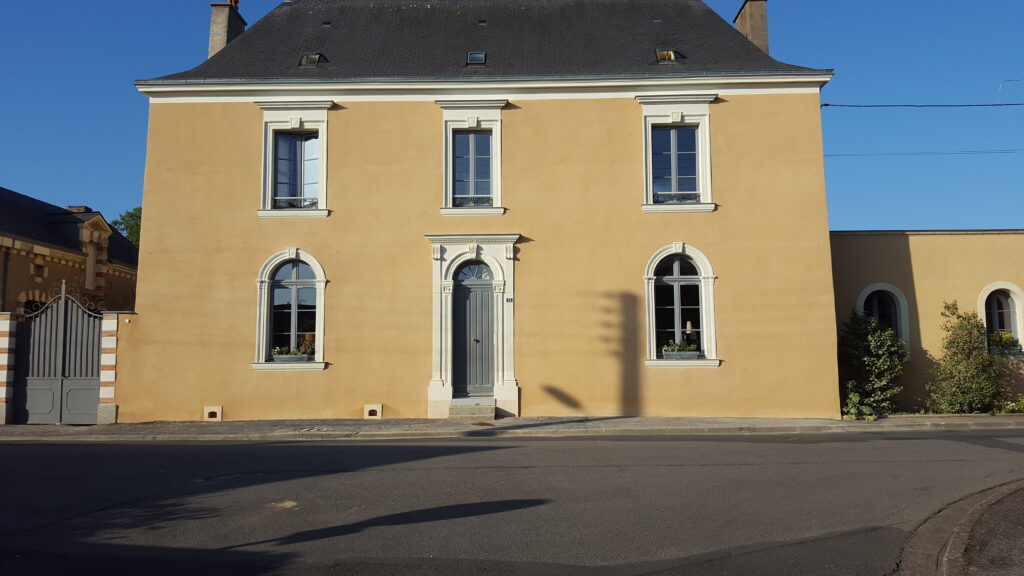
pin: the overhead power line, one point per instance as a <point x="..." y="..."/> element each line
<point x="998" y="105"/>
<point x="932" y="153"/>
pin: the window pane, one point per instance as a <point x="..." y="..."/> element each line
<point x="306" y="321"/>
<point x="461" y="169"/>
<point x="307" y="298"/>
<point x="285" y="146"/>
<point x="662" y="185"/>
<point x="461" y="144"/>
<point x="686" y="267"/>
<point x="284" y="272"/>
<point x="483" y="143"/>
<point x="280" y="341"/>
<point x="661" y="338"/>
<point x="661" y="142"/>
<point x="462" y="188"/>
<point x="686" y="139"/>
<point x="483" y="188"/>
<point x="662" y="295"/>
<point x="282" y="298"/>
<point x="309" y="172"/>
<point x="664" y="318"/>
<point x="691" y="319"/>
<point x="304" y="271"/>
<point x="282" y="322"/>
<point x="483" y="168"/>
<point x="311" y="148"/>
<point x="687" y="184"/>
<point x="686" y="164"/>
<point x="689" y="295"/>
<point x="661" y="166"/>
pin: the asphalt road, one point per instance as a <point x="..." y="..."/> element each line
<point x="830" y="504"/>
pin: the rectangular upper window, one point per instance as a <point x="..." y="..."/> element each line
<point x="677" y="153"/>
<point x="674" y="164"/>
<point x="472" y="157"/>
<point x="294" y="159"/>
<point x="296" y="169"/>
<point x="471" y="172"/>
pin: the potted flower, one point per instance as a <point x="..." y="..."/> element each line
<point x="304" y="353"/>
<point x="1003" y="343"/>
<point x="680" y="351"/>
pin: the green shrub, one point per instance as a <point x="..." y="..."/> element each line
<point x="967" y="379"/>
<point x="1011" y="406"/>
<point x="871" y="358"/>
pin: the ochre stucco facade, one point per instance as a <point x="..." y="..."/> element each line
<point x="573" y="185"/>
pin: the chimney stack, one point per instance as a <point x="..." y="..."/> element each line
<point x="226" y="23"/>
<point x="752" y="22"/>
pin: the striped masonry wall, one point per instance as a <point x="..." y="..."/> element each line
<point x="6" y="367"/>
<point x="107" y="410"/>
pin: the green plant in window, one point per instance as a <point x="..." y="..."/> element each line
<point x="673" y="346"/>
<point x="307" y="347"/>
<point x="1003" y="343"/>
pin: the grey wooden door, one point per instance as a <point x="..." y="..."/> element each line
<point x="472" y="334"/>
<point x="57" y="364"/>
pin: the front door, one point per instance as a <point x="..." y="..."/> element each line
<point x="473" y="332"/>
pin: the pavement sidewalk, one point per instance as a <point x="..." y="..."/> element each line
<point x="294" y="430"/>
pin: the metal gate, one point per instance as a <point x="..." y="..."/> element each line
<point x="57" y="363"/>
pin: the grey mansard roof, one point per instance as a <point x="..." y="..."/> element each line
<point x="402" y="40"/>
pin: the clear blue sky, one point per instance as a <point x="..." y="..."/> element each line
<point x="74" y="127"/>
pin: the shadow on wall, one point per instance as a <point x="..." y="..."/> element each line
<point x="860" y="261"/>
<point x="619" y="338"/>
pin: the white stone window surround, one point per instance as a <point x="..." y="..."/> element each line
<point x="903" y="330"/>
<point x="472" y="115"/>
<point x="679" y="110"/>
<point x="1016" y="303"/>
<point x="287" y="117"/>
<point x="449" y="252"/>
<point x="263" y="283"/>
<point x="707" y="308"/>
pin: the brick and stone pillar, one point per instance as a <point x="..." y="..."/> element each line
<point x="7" y="329"/>
<point x="106" y="412"/>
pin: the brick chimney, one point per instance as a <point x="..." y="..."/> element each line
<point x="226" y="23"/>
<point x="752" y="22"/>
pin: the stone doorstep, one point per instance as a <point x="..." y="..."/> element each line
<point x="471" y="410"/>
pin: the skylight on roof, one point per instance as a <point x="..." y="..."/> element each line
<point x="311" y="59"/>
<point x="478" y="58"/>
<point x="666" y="55"/>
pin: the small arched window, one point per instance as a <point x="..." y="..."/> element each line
<point x="882" y="306"/>
<point x="677" y="322"/>
<point x="680" y="308"/>
<point x="290" y="313"/>
<point x="293" y="302"/>
<point x="999" y="312"/>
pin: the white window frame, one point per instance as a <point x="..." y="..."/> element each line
<point x="472" y="115"/>
<point x="1016" y="302"/>
<point x="903" y="317"/>
<point x="707" y="308"/>
<point x="263" y="316"/>
<point x="692" y="110"/>
<point x="294" y="117"/>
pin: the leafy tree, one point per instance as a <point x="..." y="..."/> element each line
<point x="130" y="224"/>
<point x="871" y="358"/>
<point x="967" y="379"/>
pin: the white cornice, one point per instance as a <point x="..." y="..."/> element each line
<point x="296" y="105"/>
<point x="472" y="238"/>
<point x="437" y="90"/>
<point x="471" y="104"/>
<point x="677" y="99"/>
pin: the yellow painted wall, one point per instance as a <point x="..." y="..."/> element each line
<point x="573" y="185"/>
<point x="929" y="268"/>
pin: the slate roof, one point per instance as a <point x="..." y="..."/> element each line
<point x="36" y="221"/>
<point x="401" y="40"/>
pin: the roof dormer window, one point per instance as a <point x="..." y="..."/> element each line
<point x="476" y="58"/>
<point x="309" y="60"/>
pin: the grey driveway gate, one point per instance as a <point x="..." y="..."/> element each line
<point x="57" y="364"/>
